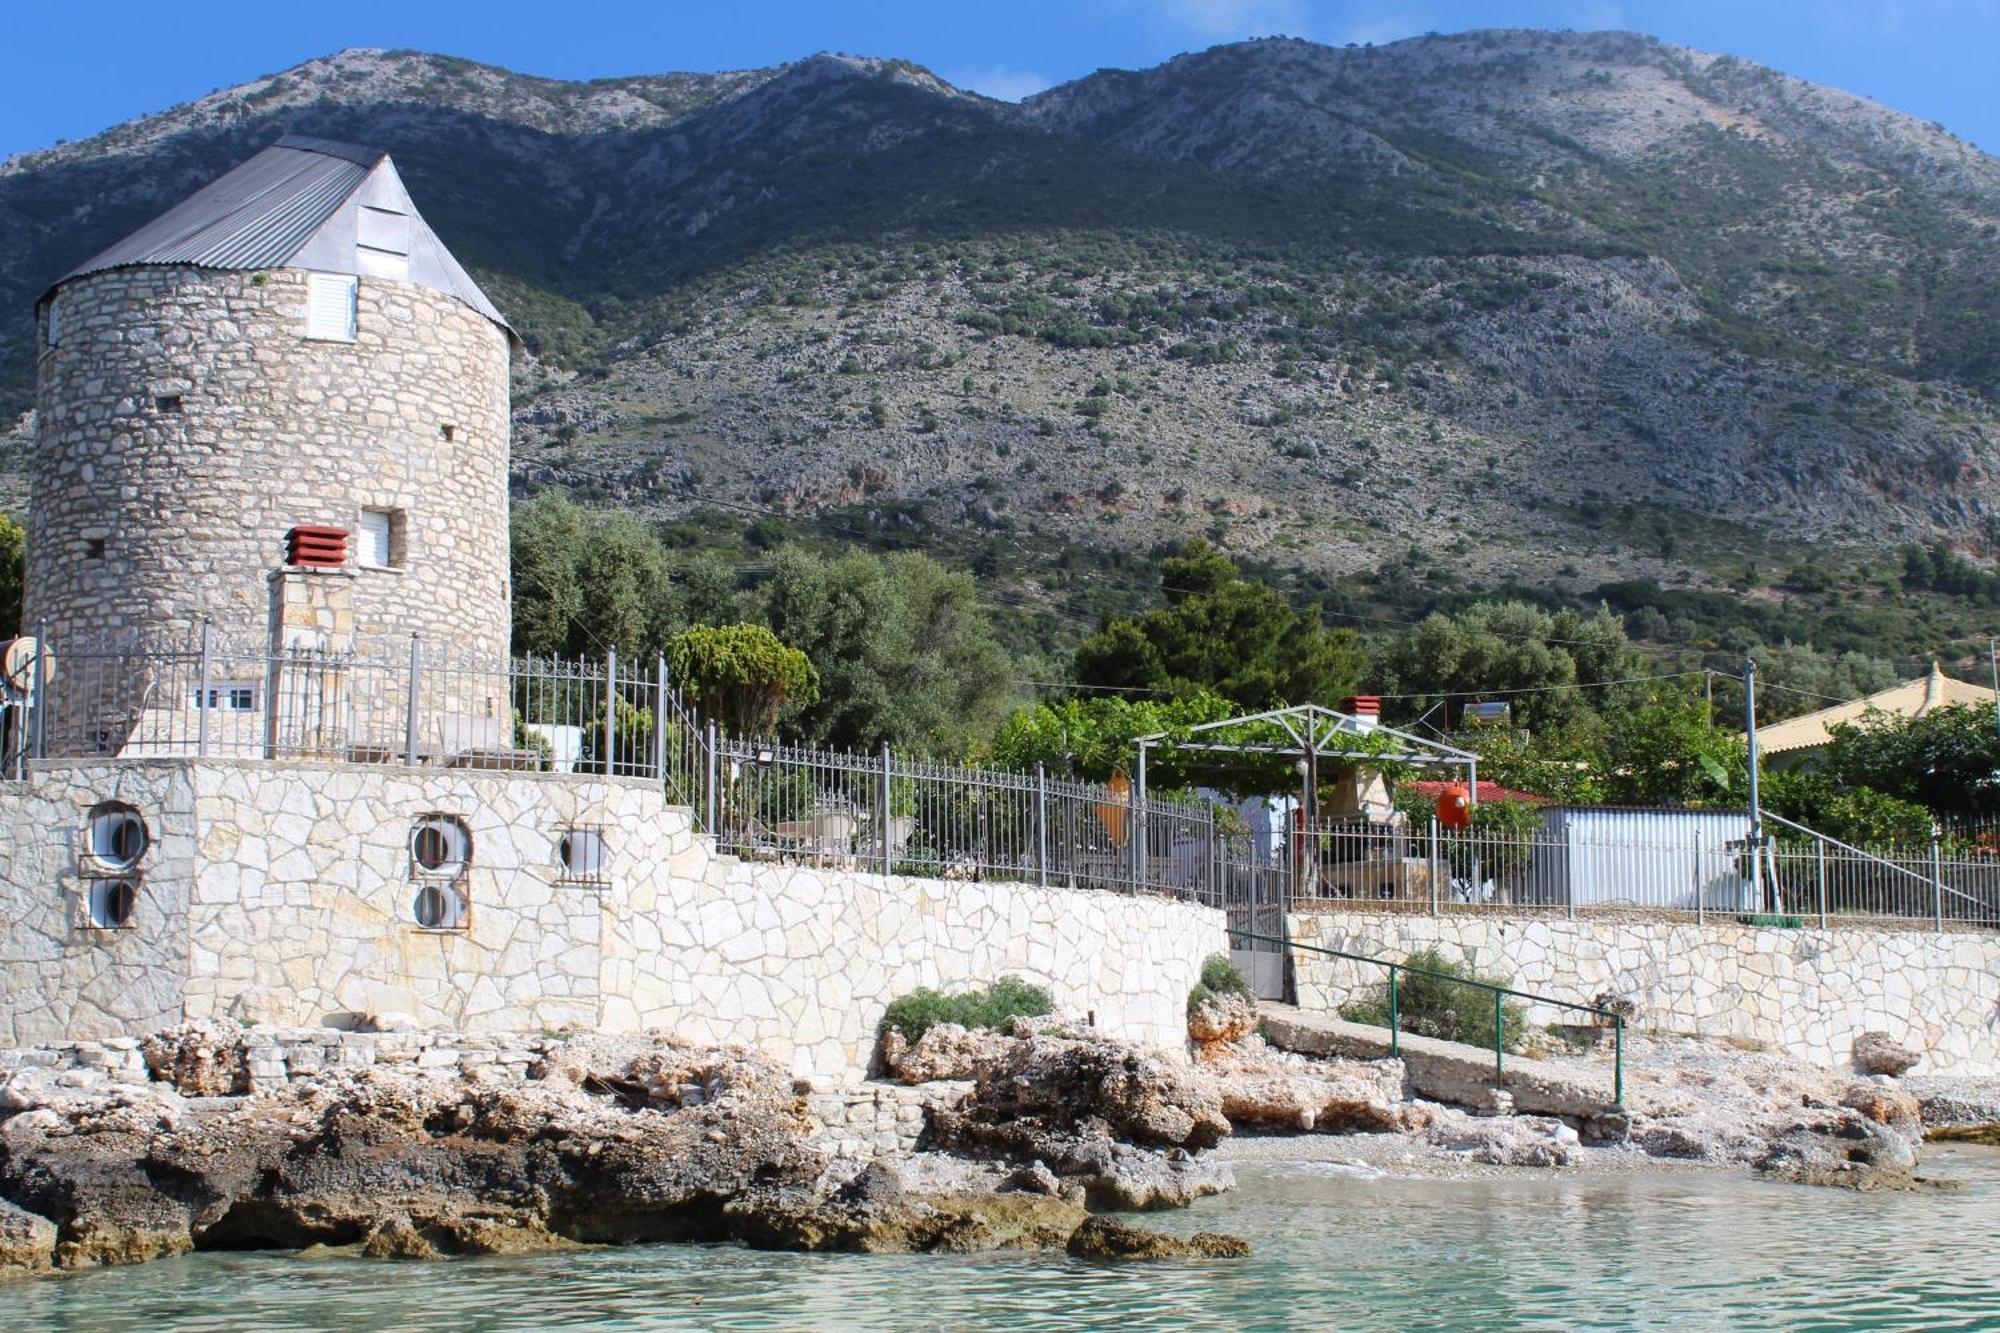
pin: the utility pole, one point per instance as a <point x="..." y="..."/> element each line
<point x="1756" y="810"/>
<point x="1993" y="657"/>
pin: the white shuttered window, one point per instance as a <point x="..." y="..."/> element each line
<point x="376" y="528"/>
<point x="330" y="306"/>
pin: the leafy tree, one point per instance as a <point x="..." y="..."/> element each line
<point x="13" y="574"/>
<point x="1565" y="764"/>
<point x="740" y="675"/>
<point x="907" y="654"/>
<point x="1222" y="633"/>
<point x="1794" y="678"/>
<point x="588" y="581"/>
<point x="1090" y="738"/>
<point x="1860" y="815"/>
<point x="1670" y="751"/>
<point x="1533" y="657"/>
<point x="1948" y="760"/>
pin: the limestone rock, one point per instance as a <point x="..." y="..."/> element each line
<point x="202" y="1059"/>
<point x="1885" y="1104"/>
<point x="1103" y="1238"/>
<point x="1334" y="1096"/>
<point x="946" y="1051"/>
<point x="621" y="1138"/>
<point x="1221" y="1019"/>
<point x="27" y="1241"/>
<point x="1880" y="1053"/>
<point x="1842" y="1147"/>
<point x="1124" y="1124"/>
<point x="1506" y="1140"/>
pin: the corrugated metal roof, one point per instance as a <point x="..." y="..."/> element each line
<point x="296" y="194"/>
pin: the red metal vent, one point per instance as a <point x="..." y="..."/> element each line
<point x="316" y="546"/>
<point x="1363" y="705"/>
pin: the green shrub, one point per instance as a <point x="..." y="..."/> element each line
<point x="1218" y="977"/>
<point x="1433" y="1006"/>
<point x="1219" y="974"/>
<point x="996" y="1006"/>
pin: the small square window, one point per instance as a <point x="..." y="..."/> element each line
<point x="448" y="433"/>
<point x="382" y="540"/>
<point x="330" y="302"/>
<point x="581" y="855"/>
<point x="167" y="404"/>
<point x="230" y="697"/>
<point x="93" y="548"/>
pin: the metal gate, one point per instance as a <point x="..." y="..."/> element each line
<point x="1256" y="895"/>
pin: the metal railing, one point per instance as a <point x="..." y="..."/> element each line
<point x="205" y="695"/>
<point x="1702" y="869"/>
<point x="919" y="817"/>
<point x="1809" y="874"/>
<point x="1500" y="995"/>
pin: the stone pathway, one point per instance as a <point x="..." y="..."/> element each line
<point x="1445" y="1071"/>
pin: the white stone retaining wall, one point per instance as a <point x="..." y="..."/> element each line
<point x="281" y="894"/>
<point x="1809" y="992"/>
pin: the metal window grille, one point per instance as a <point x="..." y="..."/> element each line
<point x="111" y="904"/>
<point x="582" y="855"/>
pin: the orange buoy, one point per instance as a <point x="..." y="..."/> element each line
<point x="1113" y="811"/>
<point x="1454" y="807"/>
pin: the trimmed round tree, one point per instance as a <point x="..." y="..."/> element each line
<point x="740" y="675"/>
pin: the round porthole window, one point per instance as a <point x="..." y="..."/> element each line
<point x="439" y="907"/>
<point x="118" y="836"/>
<point x="441" y="846"/>
<point x="581" y="851"/>
<point x="111" y="903"/>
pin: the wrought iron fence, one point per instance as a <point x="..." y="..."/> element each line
<point x="919" y="817"/>
<point x="1697" y="872"/>
<point x="207" y="695"/>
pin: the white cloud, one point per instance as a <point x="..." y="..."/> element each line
<point x="1597" y="16"/>
<point x="1008" y="85"/>
<point x="1381" y="29"/>
<point x="1228" y="20"/>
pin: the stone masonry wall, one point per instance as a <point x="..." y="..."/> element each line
<point x="283" y="894"/>
<point x="185" y="424"/>
<point x="1810" y="992"/>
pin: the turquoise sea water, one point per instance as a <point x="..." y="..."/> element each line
<point x="1334" y="1250"/>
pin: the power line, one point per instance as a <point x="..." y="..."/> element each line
<point x="1548" y="689"/>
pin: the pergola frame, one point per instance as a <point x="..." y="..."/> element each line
<point x="1313" y="733"/>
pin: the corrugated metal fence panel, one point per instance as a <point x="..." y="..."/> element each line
<point x="1658" y="858"/>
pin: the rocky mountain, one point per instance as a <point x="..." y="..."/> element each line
<point x="1560" y="307"/>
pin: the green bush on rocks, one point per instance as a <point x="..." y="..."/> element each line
<point x="1441" y="1005"/>
<point x="996" y="1006"/>
<point x="1219" y="976"/>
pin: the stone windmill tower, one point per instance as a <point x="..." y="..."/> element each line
<point x="281" y="406"/>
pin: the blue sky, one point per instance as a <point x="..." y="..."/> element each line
<point x="69" y="70"/>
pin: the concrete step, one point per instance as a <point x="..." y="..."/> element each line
<point x="1445" y="1071"/>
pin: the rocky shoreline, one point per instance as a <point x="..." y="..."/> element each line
<point x="422" y="1145"/>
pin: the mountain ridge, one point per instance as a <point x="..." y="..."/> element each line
<point x="1535" y="302"/>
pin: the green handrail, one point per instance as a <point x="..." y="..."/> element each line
<point x="1500" y="994"/>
